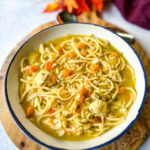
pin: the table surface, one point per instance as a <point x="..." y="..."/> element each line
<point x="19" y="17"/>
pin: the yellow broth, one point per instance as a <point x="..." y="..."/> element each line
<point x="126" y="74"/>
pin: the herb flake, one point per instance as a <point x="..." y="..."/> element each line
<point x="97" y="96"/>
<point x="58" y="103"/>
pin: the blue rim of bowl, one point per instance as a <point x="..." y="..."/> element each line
<point x="52" y="147"/>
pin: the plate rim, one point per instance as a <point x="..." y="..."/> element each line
<point x="33" y="138"/>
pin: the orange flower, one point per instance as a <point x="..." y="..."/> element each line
<point x="52" y="7"/>
<point x="75" y="7"/>
<point x="70" y="5"/>
<point x="97" y="4"/>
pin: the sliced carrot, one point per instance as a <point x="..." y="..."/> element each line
<point x="82" y="99"/>
<point x="51" y="121"/>
<point x="121" y="90"/>
<point x="50" y="111"/>
<point x="97" y="120"/>
<point x="67" y="73"/>
<point x="53" y="79"/>
<point x="59" y="49"/>
<point x="71" y="55"/>
<point x="30" y="111"/>
<point x="127" y="97"/>
<point x="113" y="55"/>
<point x="95" y="68"/>
<point x="49" y="66"/>
<point x="83" y="91"/>
<point x="33" y="68"/>
<point x="81" y="46"/>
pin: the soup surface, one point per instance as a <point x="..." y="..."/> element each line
<point x="76" y="87"/>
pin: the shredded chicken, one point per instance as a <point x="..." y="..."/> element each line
<point x="98" y="108"/>
<point x="41" y="77"/>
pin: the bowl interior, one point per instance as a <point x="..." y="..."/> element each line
<point x="36" y="134"/>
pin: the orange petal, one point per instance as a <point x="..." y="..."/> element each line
<point x="100" y="7"/>
<point x="70" y="5"/>
<point x="97" y="4"/>
<point x="52" y="7"/>
<point x="83" y="5"/>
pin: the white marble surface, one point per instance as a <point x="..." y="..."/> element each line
<point x="20" y="17"/>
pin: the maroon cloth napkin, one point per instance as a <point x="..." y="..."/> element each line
<point x="135" y="11"/>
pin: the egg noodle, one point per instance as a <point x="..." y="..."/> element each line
<point x="77" y="87"/>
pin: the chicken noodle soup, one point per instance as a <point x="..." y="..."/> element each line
<point x="76" y="87"/>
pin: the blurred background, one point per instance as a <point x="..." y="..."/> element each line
<point x="19" y="17"/>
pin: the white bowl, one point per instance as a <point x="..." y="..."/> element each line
<point x="11" y="86"/>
